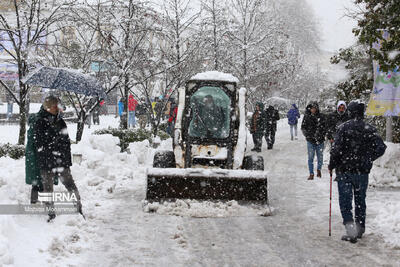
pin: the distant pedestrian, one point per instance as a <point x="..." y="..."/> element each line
<point x="356" y="145"/>
<point x="271" y="117"/>
<point x="293" y="116"/>
<point x="313" y="127"/>
<point x="172" y="118"/>
<point x="10" y="104"/>
<point x="335" y="119"/>
<point x="49" y="153"/>
<point x="121" y="106"/>
<point x="96" y="114"/>
<point x="257" y="126"/>
<point x="141" y="113"/>
<point x="132" y="103"/>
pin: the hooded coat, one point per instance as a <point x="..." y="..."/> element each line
<point x="335" y="119"/>
<point x="271" y="117"/>
<point x="257" y="124"/>
<point x="53" y="147"/>
<point x="132" y="103"/>
<point x="293" y="115"/>
<point x="357" y="144"/>
<point x="32" y="170"/>
<point x="313" y="126"/>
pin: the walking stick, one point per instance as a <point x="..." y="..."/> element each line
<point x="330" y="205"/>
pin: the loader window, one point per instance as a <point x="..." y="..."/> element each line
<point x="210" y="113"/>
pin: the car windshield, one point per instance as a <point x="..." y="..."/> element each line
<point x="210" y="113"/>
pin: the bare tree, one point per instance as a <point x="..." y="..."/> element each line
<point x="215" y="32"/>
<point x="26" y="31"/>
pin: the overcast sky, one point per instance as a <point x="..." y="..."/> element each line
<point x="336" y="29"/>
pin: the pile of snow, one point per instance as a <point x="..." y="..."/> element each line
<point x="387" y="223"/>
<point x="101" y="154"/>
<point x="215" y="76"/>
<point x="206" y="209"/>
<point x="386" y="169"/>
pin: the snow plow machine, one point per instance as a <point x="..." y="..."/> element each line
<point x="208" y="160"/>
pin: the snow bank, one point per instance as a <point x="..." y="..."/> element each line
<point x="387" y="224"/>
<point x="242" y="136"/>
<point x="101" y="154"/>
<point x="386" y="169"/>
<point x="215" y="76"/>
<point x="206" y="209"/>
<point x="142" y="150"/>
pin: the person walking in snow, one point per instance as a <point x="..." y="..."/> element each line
<point x="271" y="117"/>
<point x="121" y="106"/>
<point x="173" y="112"/>
<point x="313" y="127"/>
<point x="132" y="103"/>
<point x="257" y="126"/>
<point x="335" y="119"/>
<point x="140" y="113"/>
<point x="52" y="148"/>
<point x="356" y="145"/>
<point x="293" y="116"/>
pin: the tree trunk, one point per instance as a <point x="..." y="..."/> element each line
<point x="22" y="123"/>
<point x="80" y="126"/>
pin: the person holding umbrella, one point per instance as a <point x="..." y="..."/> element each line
<point x="50" y="153"/>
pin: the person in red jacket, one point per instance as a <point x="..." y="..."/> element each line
<point x="172" y="118"/>
<point x="132" y="103"/>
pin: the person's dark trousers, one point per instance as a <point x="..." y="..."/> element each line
<point x="66" y="179"/>
<point x="35" y="193"/>
<point x="349" y="184"/>
<point x="257" y="140"/>
<point x="270" y="137"/>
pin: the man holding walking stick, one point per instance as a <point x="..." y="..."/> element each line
<point x="356" y="145"/>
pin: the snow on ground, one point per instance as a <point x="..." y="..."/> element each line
<point x="34" y="107"/>
<point x="118" y="231"/>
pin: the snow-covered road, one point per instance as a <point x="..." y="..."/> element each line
<point x="118" y="232"/>
<point x="296" y="234"/>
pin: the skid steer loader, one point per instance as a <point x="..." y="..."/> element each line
<point x="208" y="160"/>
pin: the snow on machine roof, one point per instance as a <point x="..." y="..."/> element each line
<point x="215" y="76"/>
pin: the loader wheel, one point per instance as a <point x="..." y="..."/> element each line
<point x="164" y="159"/>
<point x="253" y="163"/>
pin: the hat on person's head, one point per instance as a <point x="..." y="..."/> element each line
<point x="356" y="109"/>
<point x="340" y="103"/>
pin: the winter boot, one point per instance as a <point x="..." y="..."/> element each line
<point x="360" y="230"/>
<point x="319" y="173"/>
<point x="351" y="233"/>
<point x="34" y="194"/>
<point x="291" y="138"/>
<point x="51" y="217"/>
<point x="311" y="177"/>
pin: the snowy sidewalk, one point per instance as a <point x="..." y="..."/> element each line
<point x="118" y="232"/>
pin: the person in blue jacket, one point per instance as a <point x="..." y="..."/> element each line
<point x="293" y="116"/>
<point x="120" y="106"/>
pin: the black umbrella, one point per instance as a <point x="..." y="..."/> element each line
<point x="65" y="80"/>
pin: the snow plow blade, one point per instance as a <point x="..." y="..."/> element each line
<point x="206" y="184"/>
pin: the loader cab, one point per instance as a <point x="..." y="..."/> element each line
<point x="209" y="125"/>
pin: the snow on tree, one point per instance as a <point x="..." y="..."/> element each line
<point x="23" y="33"/>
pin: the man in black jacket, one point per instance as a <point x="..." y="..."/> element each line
<point x="313" y="127"/>
<point x="257" y="126"/>
<point x="271" y="117"/>
<point x="53" y="149"/>
<point x="336" y="118"/>
<point x="356" y="145"/>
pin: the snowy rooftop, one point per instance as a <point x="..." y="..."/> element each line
<point x="215" y="76"/>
